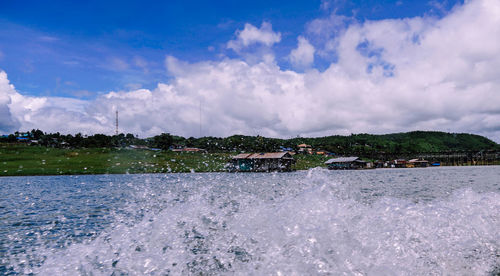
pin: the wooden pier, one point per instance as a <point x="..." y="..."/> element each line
<point x="459" y="158"/>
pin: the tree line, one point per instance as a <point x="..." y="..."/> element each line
<point x="354" y="144"/>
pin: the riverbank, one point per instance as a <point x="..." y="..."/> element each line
<point x="23" y="160"/>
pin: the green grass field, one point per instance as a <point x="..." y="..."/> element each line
<point x="305" y="162"/>
<point x="35" y="160"/>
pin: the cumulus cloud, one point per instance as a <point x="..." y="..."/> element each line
<point x="55" y="114"/>
<point x="391" y="75"/>
<point x="303" y="55"/>
<point x="8" y="123"/>
<point x="252" y="35"/>
<point x="254" y="44"/>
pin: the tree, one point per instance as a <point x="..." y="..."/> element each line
<point x="36" y="134"/>
<point x="163" y="141"/>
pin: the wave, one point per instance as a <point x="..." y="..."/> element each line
<point x="311" y="225"/>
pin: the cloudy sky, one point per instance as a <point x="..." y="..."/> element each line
<point x="258" y="68"/>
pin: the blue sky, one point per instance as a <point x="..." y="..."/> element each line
<point x="271" y="68"/>
<point x="82" y="49"/>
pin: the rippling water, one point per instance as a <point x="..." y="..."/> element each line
<point x="432" y="221"/>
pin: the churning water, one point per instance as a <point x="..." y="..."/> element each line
<point x="432" y="221"/>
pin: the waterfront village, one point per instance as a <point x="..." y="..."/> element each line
<point x="284" y="161"/>
<point x="35" y="152"/>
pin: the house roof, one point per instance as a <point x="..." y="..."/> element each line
<point x="342" y="160"/>
<point x="242" y="156"/>
<point x="417" y="161"/>
<point x="269" y="155"/>
<point x="266" y="155"/>
<point x="304" y="146"/>
<point x="192" y="149"/>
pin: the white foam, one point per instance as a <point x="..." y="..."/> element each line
<point x="318" y="229"/>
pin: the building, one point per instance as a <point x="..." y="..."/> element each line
<point x="282" y="148"/>
<point x="139" y="147"/>
<point x="305" y="149"/>
<point x="188" y="150"/>
<point x="22" y="137"/>
<point x="348" y="163"/>
<point x="398" y="163"/>
<point x="380" y="164"/>
<point x="418" y="163"/>
<point x="262" y="162"/>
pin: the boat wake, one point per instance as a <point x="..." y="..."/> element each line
<point x="308" y="226"/>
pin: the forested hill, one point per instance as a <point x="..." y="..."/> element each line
<point x="360" y="144"/>
<point x="410" y="142"/>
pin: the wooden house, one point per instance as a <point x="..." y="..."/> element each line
<point x="418" y="163"/>
<point x="348" y="163"/>
<point x="305" y="149"/>
<point x="262" y="162"/>
<point x="398" y="163"/>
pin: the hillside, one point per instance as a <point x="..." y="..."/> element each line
<point x="361" y="144"/>
<point x="410" y="142"/>
<point x="66" y="154"/>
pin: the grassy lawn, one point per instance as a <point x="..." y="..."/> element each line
<point x="18" y="159"/>
<point x="36" y="160"/>
<point x="305" y="162"/>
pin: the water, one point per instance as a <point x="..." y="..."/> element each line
<point x="432" y="221"/>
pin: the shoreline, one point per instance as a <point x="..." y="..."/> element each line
<point x="41" y="161"/>
<point x="185" y="172"/>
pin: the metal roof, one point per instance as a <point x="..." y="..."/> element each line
<point x="266" y="155"/>
<point x="342" y="160"/>
<point x="242" y="156"/>
<point x="417" y="161"/>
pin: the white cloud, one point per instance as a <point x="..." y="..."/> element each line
<point x="115" y="64"/>
<point x="303" y="55"/>
<point x="252" y="35"/>
<point x="141" y="63"/>
<point x="8" y="123"/>
<point x="47" y="38"/>
<point x="254" y="44"/>
<point x="391" y="75"/>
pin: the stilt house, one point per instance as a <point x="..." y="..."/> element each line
<point x="348" y="163"/>
<point x="262" y="162"/>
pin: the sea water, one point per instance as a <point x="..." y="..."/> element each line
<point x="429" y="221"/>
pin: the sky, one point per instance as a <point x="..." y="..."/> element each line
<point x="270" y="68"/>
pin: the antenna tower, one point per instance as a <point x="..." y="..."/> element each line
<point x="200" y="118"/>
<point x="116" y="122"/>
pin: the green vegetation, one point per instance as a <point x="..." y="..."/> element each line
<point x="36" y="160"/>
<point x="22" y="159"/>
<point x="400" y="143"/>
<point x="305" y="162"/>
<point x="355" y="144"/>
<point x="55" y="154"/>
